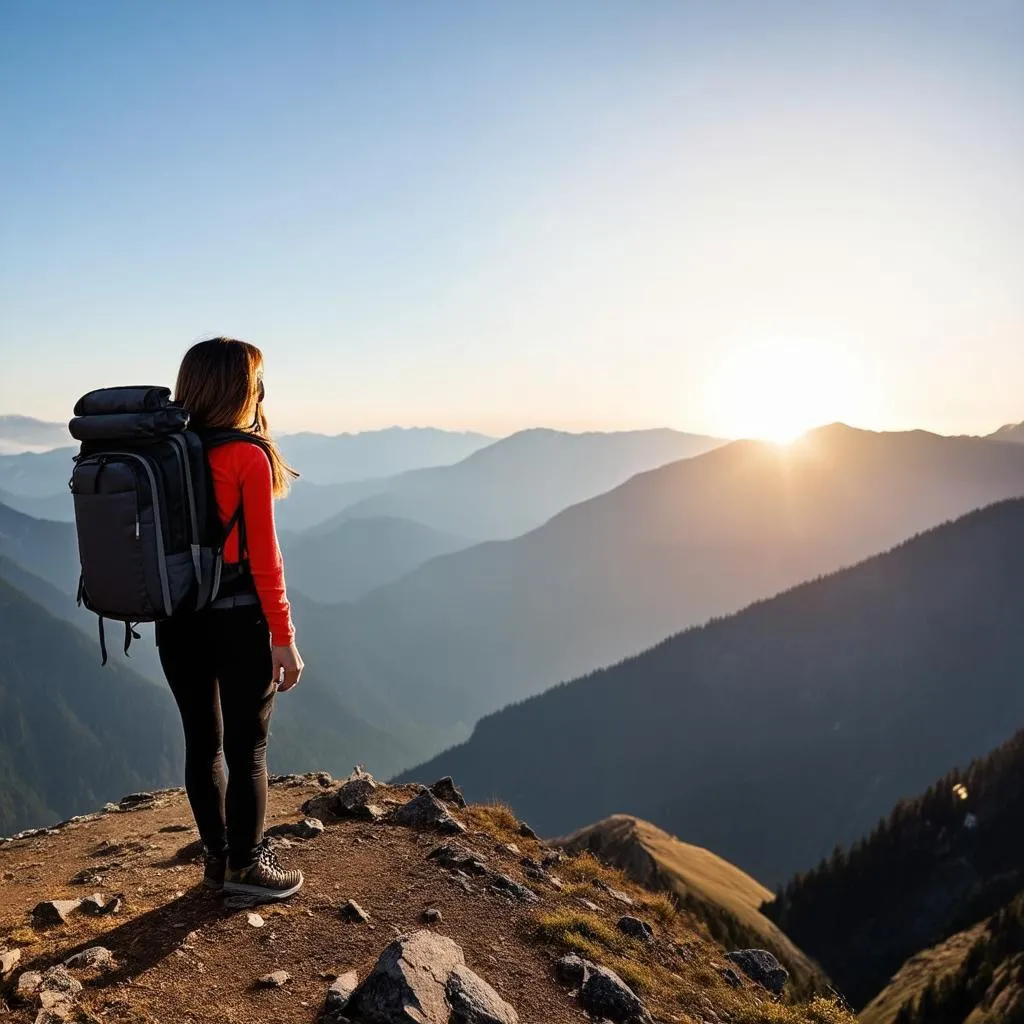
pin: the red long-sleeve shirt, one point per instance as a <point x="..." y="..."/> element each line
<point x="241" y="474"/>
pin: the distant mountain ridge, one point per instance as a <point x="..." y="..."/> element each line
<point x="1011" y="432"/>
<point x="518" y="483"/>
<point x="342" y="458"/>
<point x="360" y="554"/>
<point x="24" y="433"/>
<point x="670" y="548"/>
<point x="773" y="734"/>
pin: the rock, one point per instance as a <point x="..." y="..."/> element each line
<point x="98" y="905"/>
<point x="458" y="858"/>
<point x="551" y="858"/>
<point x="136" y="801"/>
<point x="589" y="904"/>
<point x="27" y="986"/>
<point x="94" y="956"/>
<point x="616" y="894"/>
<point x="87" y="877"/>
<point x="338" y="995"/>
<point x="426" y="811"/>
<point x="762" y="967"/>
<point x="636" y="928"/>
<point x="308" y="828"/>
<point x="473" y="1001"/>
<point x="9" y="959"/>
<point x="605" y="994"/>
<point x="177" y="828"/>
<point x="509" y="849"/>
<point x="505" y="886"/>
<point x="432" y="915"/>
<point x="59" y="1014"/>
<point x="58" y="985"/>
<point x="352" y="799"/>
<point x="190" y="852"/>
<point x="351" y="911"/>
<point x="54" y="912"/>
<point x="423" y="977"/>
<point x="571" y="970"/>
<point x="446" y="790"/>
<point x="526" y="831"/>
<point x="275" y="979"/>
<point x="731" y="977"/>
<point x="255" y="921"/>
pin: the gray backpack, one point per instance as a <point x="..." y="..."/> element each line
<point x="150" y="539"/>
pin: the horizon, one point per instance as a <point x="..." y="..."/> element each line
<point x="730" y="218"/>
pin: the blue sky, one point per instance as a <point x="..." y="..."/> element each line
<point x="719" y="216"/>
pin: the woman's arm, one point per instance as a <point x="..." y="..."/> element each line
<point x="265" y="561"/>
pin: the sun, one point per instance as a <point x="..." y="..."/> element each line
<point x="776" y="391"/>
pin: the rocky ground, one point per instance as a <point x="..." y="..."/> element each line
<point x="415" y="909"/>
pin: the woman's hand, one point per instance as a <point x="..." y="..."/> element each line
<point x="288" y="666"/>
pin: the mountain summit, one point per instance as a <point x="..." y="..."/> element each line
<point x="416" y="907"/>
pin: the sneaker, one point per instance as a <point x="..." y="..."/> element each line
<point x="216" y="866"/>
<point x="264" y="879"/>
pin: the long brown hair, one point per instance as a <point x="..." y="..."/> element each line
<point x="220" y="383"/>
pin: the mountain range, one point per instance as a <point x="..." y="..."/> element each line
<point x="23" y="433"/>
<point x="341" y="458"/>
<point x="671" y="548"/>
<point x="358" y="555"/>
<point x="791" y="726"/>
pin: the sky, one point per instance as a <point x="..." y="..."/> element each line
<point x="737" y="218"/>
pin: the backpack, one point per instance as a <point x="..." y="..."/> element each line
<point x="150" y="539"/>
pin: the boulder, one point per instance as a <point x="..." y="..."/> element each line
<point x="762" y="967"/>
<point x="352" y="799"/>
<point x="526" y="832"/>
<point x="432" y="915"/>
<point x="57" y="979"/>
<point x="446" y="790"/>
<point x="473" y="1001"/>
<point x="423" y="977"/>
<point x="94" y="956"/>
<point x="458" y="858"/>
<point x="427" y="812"/>
<point x="339" y="994"/>
<point x="571" y="970"/>
<point x="605" y="994"/>
<point x="54" y="912"/>
<point x="99" y="905"/>
<point x="505" y="886"/>
<point x="59" y="1014"/>
<point x="636" y="928"/>
<point x="27" y="986"/>
<point x="9" y="959"/>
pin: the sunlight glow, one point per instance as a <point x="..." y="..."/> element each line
<point x="776" y="391"/>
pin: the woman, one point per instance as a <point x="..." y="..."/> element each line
<point x="226" y="663"/>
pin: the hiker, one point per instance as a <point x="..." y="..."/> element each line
<point x="226" y="663"/>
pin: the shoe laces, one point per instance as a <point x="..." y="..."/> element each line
<point x="266" y="857"/>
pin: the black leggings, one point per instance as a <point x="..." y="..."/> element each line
<point x="219" y="667"/>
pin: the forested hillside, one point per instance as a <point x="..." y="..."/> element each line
<point x="72" y="734"/>
<point x="771" y="735"/>
<point x="939" y="863"/>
